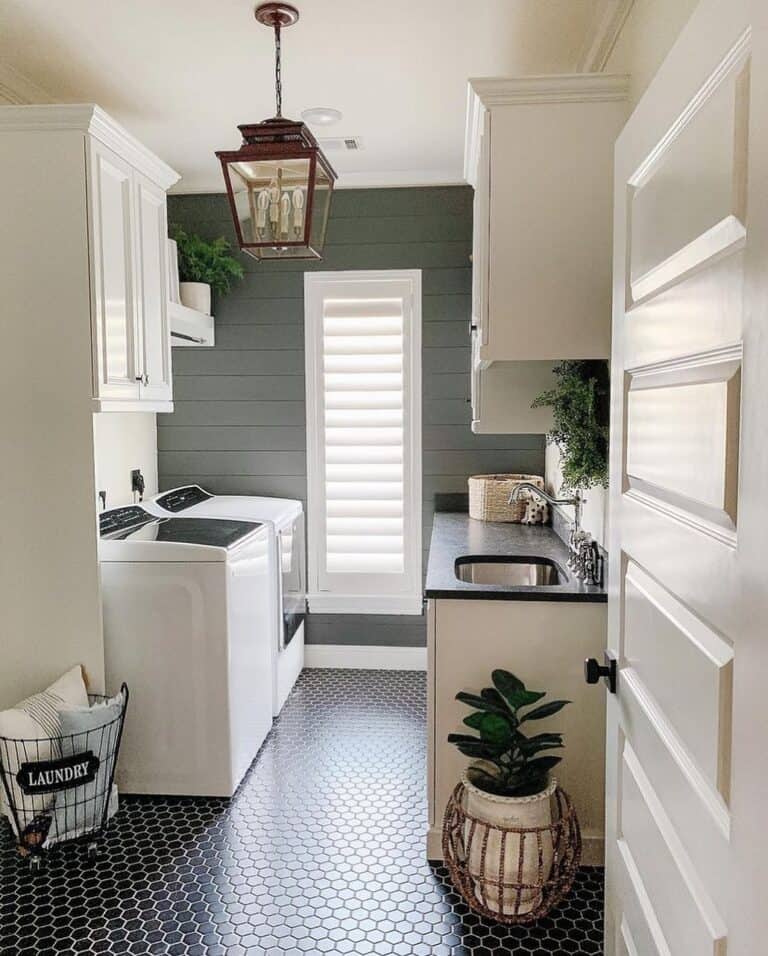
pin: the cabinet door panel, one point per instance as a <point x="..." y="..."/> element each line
<point x="152" y="285"/>
<point x="115" y="338"/>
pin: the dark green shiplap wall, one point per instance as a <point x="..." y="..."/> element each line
<point x="239" y="423"/>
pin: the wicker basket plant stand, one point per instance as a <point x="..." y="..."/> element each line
<point x="490" y="863"/>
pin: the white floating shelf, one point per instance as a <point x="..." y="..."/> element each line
<point x="190" y="328"/>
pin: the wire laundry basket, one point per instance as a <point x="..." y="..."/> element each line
<point x="58" y="789"/>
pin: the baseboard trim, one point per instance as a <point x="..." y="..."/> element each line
<point x="361" y="657"/>
<point x="592" y="848"/>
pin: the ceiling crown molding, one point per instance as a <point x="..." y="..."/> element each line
<point x="18" y="90"/>
<point x="607" y="24"/>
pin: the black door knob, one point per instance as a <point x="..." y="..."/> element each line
<point x="594" y="670"/>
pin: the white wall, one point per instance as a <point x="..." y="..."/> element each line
<point x="595" y="515"/>
<point x="124" y="441"/>
<point x="647" y="36"/>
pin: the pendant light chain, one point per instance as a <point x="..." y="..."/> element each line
<point x="278" y="74"/>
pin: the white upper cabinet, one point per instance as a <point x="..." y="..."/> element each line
<point x="129" y="275"/>
<point x="539" y="153"/>
<point x="117" y="197"/>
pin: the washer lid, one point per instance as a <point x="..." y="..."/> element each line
<point x="212" y="532"/>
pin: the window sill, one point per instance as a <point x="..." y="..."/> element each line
<point x="323" y="602"/>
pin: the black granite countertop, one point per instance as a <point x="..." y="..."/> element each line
<point x="455" y="534"/>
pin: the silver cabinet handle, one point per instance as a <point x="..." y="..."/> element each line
<point x="146" y="379"/>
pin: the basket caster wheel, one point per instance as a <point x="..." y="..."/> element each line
<point x="35" y="864"/>
<point x="93" y="851"/>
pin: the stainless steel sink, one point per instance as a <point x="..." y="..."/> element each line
<point x="509" y="571"/>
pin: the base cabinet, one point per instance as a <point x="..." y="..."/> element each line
<point x="544" y="643"/>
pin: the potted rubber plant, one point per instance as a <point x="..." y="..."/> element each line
<point x="509" y="785"/>
<point x="204" y="265"/>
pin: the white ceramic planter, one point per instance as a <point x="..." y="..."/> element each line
<point x="196" y="295"/>
<point x="533" y="811"/>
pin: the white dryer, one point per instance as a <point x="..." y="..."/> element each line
<point x="188" y="625"/>
<point x="286" y="517"/>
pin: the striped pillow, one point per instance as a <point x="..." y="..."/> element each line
<point x="36" y="724"/>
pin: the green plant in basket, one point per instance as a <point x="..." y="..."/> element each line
<point x="204" y="261"/>
<point x="511" y="763"/>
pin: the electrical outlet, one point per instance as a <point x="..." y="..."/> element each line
<point x="137" y="482"/>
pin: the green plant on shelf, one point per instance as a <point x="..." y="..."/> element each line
<point x="580" y="403"/>
<point x="510" y="763"/>
<point x="206" y="261"/>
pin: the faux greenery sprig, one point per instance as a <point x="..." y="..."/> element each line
<point x="580" y="404"/>
<point x="203" y="261"/>
<point x="510" y="764"/>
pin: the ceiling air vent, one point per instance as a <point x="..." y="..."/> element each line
<point x="333" y="144"/>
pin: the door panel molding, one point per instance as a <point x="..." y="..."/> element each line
<point x="686" y="914"/>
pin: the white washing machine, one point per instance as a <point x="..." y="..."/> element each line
<point x="286" y="517"/>
<point x="188" y="625"/>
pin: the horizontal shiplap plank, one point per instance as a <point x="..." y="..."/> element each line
<point x="230" y="387"/>
<point x="482" y="462"/>
<point x="447" y="437"/>
<point x="425" y="201"/>
<point x="232" y="438"/>
<point x="451" y="307"/>
<point x="447" y="412"/>
<point x="397" y="229"/>
<point x="387" y="255"/>
<point x="447" y="281"/>
<point x="219" y="361"/>
<point x="444" y="360"/>
<point x="207" y="412"/>
<point x="277" y="486"/>
<point x="254" y="311"/>
<point x="445" y="335"/>
<point x="446" y="385"/>
<point x="208" y="462"/>
<point x="269" y="337"/>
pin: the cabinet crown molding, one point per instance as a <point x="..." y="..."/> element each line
<point x="91" y="119"/>
<point x="487" y="93"/>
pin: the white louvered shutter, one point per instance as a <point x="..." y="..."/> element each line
<point x="364" y="429"/>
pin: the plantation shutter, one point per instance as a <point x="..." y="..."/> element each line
<point x="364" y="430"/>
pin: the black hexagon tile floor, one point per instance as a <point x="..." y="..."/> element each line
<point x="321" y="851"/>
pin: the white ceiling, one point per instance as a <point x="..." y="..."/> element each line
<point x="181" y="75"/>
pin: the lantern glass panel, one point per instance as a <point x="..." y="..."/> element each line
<point x="271" y="203"/>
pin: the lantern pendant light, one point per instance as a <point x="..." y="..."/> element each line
<point x="279" y="183"/>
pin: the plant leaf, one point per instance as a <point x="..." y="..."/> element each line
<point x="542" y="764"/>
<point x="495" y="730"/>
<point x="481" y="703"/>
<point x="532" y="744"/>
<point x="506" y="683"/>
<point x="546" y="710"/>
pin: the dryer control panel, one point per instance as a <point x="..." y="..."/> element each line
<point x="182" y="498"/>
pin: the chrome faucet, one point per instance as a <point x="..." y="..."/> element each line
<point x="577" y="502"/>
<point x="577" y="538"/>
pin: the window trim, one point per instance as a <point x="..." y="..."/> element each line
<point x="317" y="286"/>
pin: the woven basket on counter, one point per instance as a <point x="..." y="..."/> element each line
<point x="489" y="496"/>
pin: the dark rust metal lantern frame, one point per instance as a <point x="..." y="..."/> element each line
<point x="274" y="142"/>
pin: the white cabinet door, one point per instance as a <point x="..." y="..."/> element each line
<point x="686" y="762"/>
<point x="117" y="363"/>
<point x="152" y="291"/>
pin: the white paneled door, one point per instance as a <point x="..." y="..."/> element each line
<point x="687" y="778"/>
